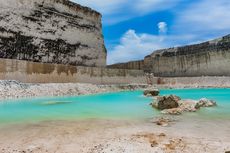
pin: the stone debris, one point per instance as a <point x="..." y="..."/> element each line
<point x="11" y="89"/>
<point x="151" y="92"/>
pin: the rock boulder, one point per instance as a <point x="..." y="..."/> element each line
<point x="166" y="102"/>
<point x="151" y="92"/>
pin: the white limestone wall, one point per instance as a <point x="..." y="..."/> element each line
<point x="53" y="23"/>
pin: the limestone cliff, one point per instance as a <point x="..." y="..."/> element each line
<point x="210" y="58"/>
<point x="51" y="31"/>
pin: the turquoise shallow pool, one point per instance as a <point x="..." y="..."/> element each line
<point x="120" y="105"/>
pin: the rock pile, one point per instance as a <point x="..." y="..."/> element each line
<point x="174" y="105"/>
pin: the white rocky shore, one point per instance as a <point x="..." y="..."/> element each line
<point x="11" y="89"/>
<point x="174" y="134"/>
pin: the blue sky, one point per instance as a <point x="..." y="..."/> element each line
<point x="135" y="28"/>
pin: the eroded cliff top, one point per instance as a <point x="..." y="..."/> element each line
<point x="27" y="3"/>
<point x="223" y="43"/>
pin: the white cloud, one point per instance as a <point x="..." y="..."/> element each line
<point x="133" y="46"/>
<point x="162" y="26"/>
<point x="196" y="21"/>
<point x="205" y="17"/>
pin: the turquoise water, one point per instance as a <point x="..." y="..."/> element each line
<point x="120" y="105"/>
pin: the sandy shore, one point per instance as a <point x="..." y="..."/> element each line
<point x="14" y="89"/>
<point x="116" y="136"/>
<point x="184" y="135"/>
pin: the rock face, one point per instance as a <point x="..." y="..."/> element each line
<point x="206" y="59"/>
<point x="166" y="102"/>
<point x="136" y="65"/>
<point x="210" y="58"/>
<point x="51" y="31"/>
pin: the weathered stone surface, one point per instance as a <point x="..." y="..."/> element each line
<point x="51" y="31"/>
<point x="151" y="92"/>
<point x="166" y="102"/>
<point x="33" y="72"/>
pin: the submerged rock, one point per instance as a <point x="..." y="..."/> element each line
<point x="166" y="102"/>
<point x="205" y="103"/>
<point x="55" y="103"/>
<point x="151" y="92"/>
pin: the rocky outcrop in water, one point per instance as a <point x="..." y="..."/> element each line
<point x="166" y="102"/>
<point x="174" y="105"/>
<point x="51" y="31"/>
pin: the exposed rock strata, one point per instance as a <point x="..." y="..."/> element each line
<point x="137" y="65"/>
<point x="206" y="59"/>
<point x="211" y="58"/>
<point x="51" y="31"/>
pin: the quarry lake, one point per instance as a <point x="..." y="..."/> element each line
<point x="128" y="105"/>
